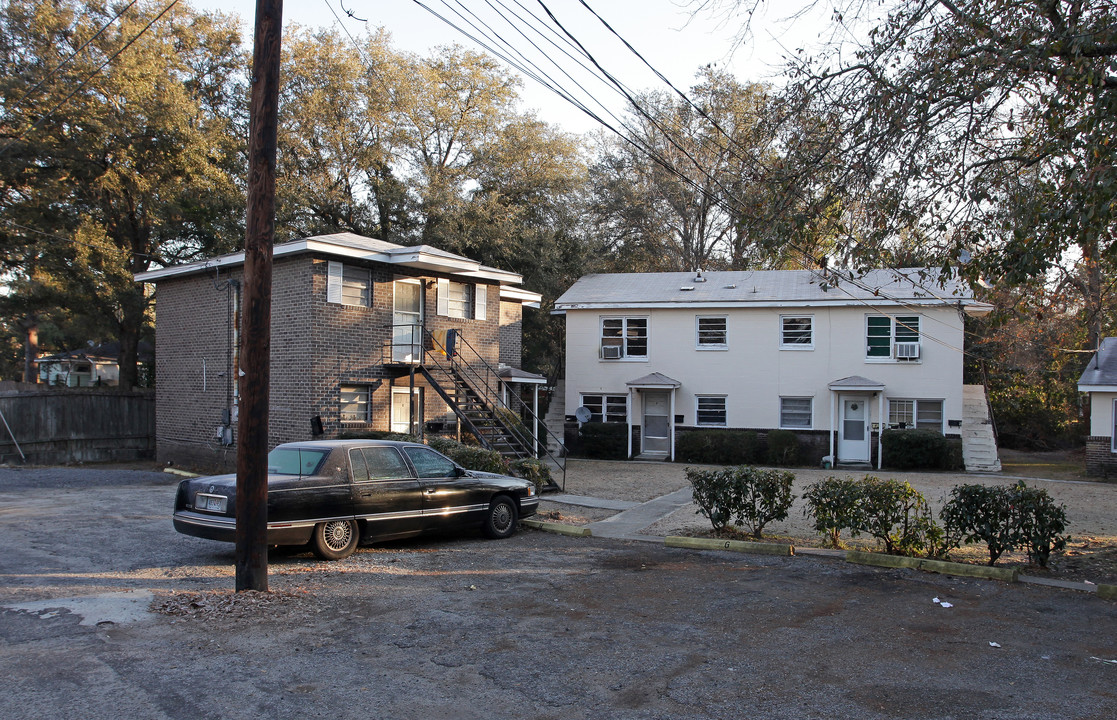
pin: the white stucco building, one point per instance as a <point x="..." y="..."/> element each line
<point x="833" y="359"/>
<point x="1099" y="380"/>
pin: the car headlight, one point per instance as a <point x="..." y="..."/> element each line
<point x="530" y="489"/>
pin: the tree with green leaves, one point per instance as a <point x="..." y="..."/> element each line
<point x="982" y="127"/>
<point x="120" y="150"/>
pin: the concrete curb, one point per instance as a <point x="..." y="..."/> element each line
<point x="558" y="528"/>
<point x="181" y="473"/>
<point x="733" y="545"/>
<point x="936" y="566"/>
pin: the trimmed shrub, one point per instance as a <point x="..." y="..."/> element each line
<point x="783" y="447"/>
<point x="606" y="441"/>
<point x="375" y="435"/>
<point x="534" y="470"/>
<point x="835" y="504"/>
<point x="718" y="447"/>
<point x="1007" y="517"/>
<point x="897" y="515"/>
<point x="471" y="457"/>
<point x="922" y="449"/>
<point x="747" y="496"/>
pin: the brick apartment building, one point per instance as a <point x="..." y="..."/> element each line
<point x="358" y="332"/>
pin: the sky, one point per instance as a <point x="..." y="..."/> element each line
<point x="664" y="32"/>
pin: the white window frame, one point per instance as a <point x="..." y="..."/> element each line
<point x="363" y="396"/>
<point x="1113" y="428"/>
<point x="343" y="279"/>
<point x="723" y="345"/>
<point x="915" y="412"/>
<point x="784" y="345"/>
<point x="894" y="325"/>
<point x="624" y="338"/>
<point x="462" y="301"/>
<point x="724" y="410"/>
<point x="810" y="413"/>
<point x="609" y="404"/>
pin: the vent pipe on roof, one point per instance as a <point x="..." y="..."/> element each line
<point x="698" y="276"/>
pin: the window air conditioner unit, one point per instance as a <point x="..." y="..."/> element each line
<point x="611" y="352"/>
<point x="906" y="351"/>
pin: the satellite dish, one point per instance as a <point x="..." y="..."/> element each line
<point x="583" y="414"/>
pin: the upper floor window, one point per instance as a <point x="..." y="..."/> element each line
<point x="921" y="414"/>
<point x="606" y="408"/>
<point x="624" y="337"/>
<point x="461" y="300"/>
<point x="348" y="284"/>
<point x="892" y="337"/>
<point x="796" y="332"/>
<point x="712" y="333"/>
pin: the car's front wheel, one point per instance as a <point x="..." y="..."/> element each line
<point x="335" y="539"/>
<point x="501" y="520"/>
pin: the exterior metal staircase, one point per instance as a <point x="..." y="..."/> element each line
<point x="979" y="444"/>
<point x="471" y="387"/>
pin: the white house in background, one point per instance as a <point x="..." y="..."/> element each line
<point x="1099" y="380"/>
<point x="833" y="359"/>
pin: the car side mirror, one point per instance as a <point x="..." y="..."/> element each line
<point x="460" y="472"/>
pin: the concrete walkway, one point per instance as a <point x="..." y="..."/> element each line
<point x="634" y="517"/>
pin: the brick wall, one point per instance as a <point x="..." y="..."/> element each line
<point x="316" y="347"/>
<point x="1101" y="461"/>
<point x="511" y="333"/>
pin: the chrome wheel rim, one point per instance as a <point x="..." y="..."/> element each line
<point x="337" y="535"/>
<point x="502" y="517"/>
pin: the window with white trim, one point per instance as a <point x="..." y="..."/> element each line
<point x="892" y="338"/>
<point x="921" y="414"/>
<point x="1113" y="438"/>
<point x="796" y="413"/>
<point x="710" y="410"/>
<point x="796" y="332"/>
<point x="606" y="408"/>
<point x="348" y="284"/>
<point x="624" y="338"/>
<point x="461" y="300"/>
<point x="711" y="332"/>
<point x="355" y="405"/>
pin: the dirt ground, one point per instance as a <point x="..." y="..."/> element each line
<point x="1091" y="506"/>
<point x="106" y="612"/>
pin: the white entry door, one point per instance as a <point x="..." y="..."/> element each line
<point x="401" y="419"/>
<point x="407" y="321"/>
<point x="854" y="435"/>
<point x="656" y="434"/>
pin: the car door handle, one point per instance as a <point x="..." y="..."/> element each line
<point x="430" y="491"/>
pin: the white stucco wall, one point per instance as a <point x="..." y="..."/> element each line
<point x="754" y="372"/>
<point x="1101" y="413"/>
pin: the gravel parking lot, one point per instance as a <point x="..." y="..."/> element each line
<point x="539" y="626"/>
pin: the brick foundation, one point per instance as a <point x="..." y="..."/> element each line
<point x="1101" y="461"/>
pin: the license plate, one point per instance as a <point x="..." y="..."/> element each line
<point x="210" y="503"/>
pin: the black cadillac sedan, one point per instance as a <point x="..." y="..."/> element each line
<point x="334" y="494"/>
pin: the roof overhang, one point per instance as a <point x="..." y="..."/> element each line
<point x="979" y="308"/>
<point x="524" y="297"/>
<point x="654" y="381"/>
<point x="856" y="383"/>
<point x="1097" y="388"/>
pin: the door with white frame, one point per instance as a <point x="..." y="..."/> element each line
<point x="407" y="319"/>
<point x="854" y="431"/>
<point x="401" y="420"/>
<point x="655" y="436"/>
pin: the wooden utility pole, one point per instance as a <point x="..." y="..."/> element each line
<point x="252" y="427"/>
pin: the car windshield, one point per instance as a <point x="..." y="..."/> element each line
<point x="295" y="461"/>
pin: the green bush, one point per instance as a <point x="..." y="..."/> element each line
<point x="835" y="504"/>
<point x="718" y="447"/>
<point x="470" y="457"/>
<point x="606" y="441"/>
<point x="1007" y="517"/>
<point x="534" y="470"/>
<point x="376" y="435"/>
<point x="783" y="447"/>
<point x="897" y="515"/>
<point x="922" y="449"/>
<point x="747" y="496"/>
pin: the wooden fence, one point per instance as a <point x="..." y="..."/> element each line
<point x="67" y="426"/>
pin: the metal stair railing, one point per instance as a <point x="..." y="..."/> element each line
<point x="464" y="363"/>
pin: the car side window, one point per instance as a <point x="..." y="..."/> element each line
<point x="360" y="468"/>
<point x="430" y="464"/>
<point x="385" y="463"/>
